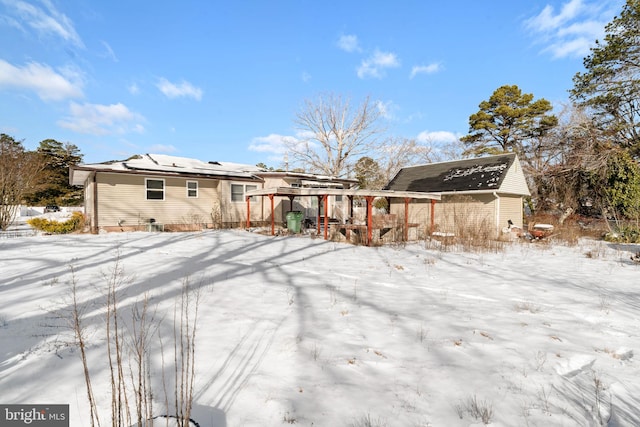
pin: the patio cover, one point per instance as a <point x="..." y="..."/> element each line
<point x="324" y="193"/>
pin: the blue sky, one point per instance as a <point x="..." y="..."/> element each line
<point x="223" y="80"/>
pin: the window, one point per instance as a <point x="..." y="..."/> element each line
<point x="155" y="189"/>
<point x="237" y="193"/>
<point x="192" y="188"/>
<point x="238" y="190"/>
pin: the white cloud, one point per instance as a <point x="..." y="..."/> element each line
<point x="12" y="22"/>
<point x="306" y="77"/>
<point x="376" y="64"/>
<point x="574" y="47"/>
<point x="573" y="29"/>
<point x="109" y="53"/>
<point x="437" y="137"/>
<point x="182" y="89"/>
<point x="97" y="119"/>
<point x="425" y="69"/>
<point x="272" y="143"/>
<point x="48" y="84"/>
<point x="133" y="89"/>
<point x="547" y="20"/>
<point x="349" y="43"/>
<point x="387" y="109"/>
<point x="46" y="20"/>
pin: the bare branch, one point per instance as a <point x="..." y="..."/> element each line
<point x="335" y="135"/>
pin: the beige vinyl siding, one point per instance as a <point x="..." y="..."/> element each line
<point x="235" y="213"/>
<point x="514" y="181"/>
<point x="455" y="213"/>
<point x="461" y="214"/>
<point x="510" y="209"/>
<point x="122" y="201"/>
<point x="281" y="205"/>
<point x="90" y="201"/>
<point x="418" y="212"/>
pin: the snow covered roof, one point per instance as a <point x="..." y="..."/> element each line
<point x="170" y="165"/>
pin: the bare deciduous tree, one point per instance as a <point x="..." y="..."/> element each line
<point x="394" y="154"/>
<point x="563" y="166"/>
<point x="397" y="153"/>
<point x="335" y="134"/>
<point x="19" y="170"/>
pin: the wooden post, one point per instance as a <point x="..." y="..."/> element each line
<point x="318" y="218"/>
<point x="325" y="200"/>
<point x="273" y="217"/>
<point x="406" y="218"/>
<point x="370" y="200"/>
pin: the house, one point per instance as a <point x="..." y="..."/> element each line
<point x="479" y="194"/>
<point x="156" y="191"/>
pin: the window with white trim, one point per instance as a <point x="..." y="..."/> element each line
<point x="238" y="191"/>
<point x="154" y="189"/>
<point x="192" y="189"/>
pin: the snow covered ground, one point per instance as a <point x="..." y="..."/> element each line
<point x="295" y="330"/>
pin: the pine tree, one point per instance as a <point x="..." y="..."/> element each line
<point x="610" y="86"/>
<point x="53" y="183"/>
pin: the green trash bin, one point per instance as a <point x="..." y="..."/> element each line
<point x="294" y="221"/>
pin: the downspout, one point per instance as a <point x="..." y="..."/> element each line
<point x="248" y="212"/>
<point x="273" y="216"/>
<point x="432" y="217"/>
<point x="262" y="206"/>
<point x="94" y="229"/>
<point x="497" y="213"/>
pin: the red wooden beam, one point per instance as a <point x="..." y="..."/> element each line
<point x="369" y="200"/>
<point x="318" y="218"/>
<point x="325" y="200"/>
<point x="273" y="217"/>
<point x="406" y="218"/>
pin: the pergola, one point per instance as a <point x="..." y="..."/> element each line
<point x="323" y="193"/>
